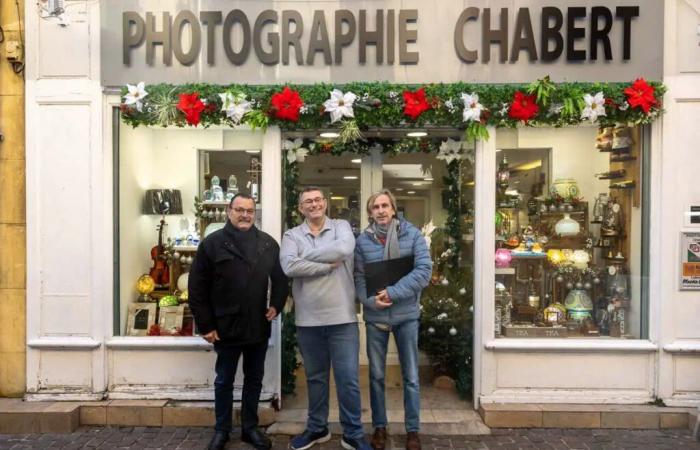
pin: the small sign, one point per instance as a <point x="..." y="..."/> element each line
<point x="695" y="215"/>
<point x="690" y="261"/>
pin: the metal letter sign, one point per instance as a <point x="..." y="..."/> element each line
<point x="401" y="41"/>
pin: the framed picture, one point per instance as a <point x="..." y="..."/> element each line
<point x="170" y="320"/>
<point x="140" y="318"/>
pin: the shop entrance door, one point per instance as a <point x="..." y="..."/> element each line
<point x="415" y="179"/>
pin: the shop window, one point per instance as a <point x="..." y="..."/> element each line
<point x="570" y="246"/>
<point x="172" y="188"/>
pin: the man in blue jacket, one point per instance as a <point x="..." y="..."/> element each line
<point x="394" y="309"/>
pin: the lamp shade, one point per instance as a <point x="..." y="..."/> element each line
<point x="162" y="202"/>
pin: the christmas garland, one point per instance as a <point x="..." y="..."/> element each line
<point x="355" y="107"/>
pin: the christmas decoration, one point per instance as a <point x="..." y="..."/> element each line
<point x="523" y="107"/>
<point x="595" y="106"/>
<point x="415" y="103"/>
<point x="340" y="105"/>
<point x="641" y="95"/>
<point x="135" y="95"/>
<point x="191" y="106"/>
<point x="379" y="104"/>
<point x="235" y="106"/>
<point x="286" y="104"/>
<point x="472" y="107"/>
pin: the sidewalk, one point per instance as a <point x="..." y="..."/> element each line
<point x="197" y="438"/>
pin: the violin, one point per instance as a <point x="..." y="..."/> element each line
<point x="160" y="272"/>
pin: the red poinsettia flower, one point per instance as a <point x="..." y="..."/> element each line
<point x="414" y="103"/>
<point x="523" y="107"/>
<point x="191" y="106"/>
<point x="286" y="104"/>
<point x="640" y="95"/>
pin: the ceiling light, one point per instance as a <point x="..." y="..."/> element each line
<point x="338" y="197"/>
<point x="253" y="152"/>
<point x="350" y="177"/>
<point x="528" y="166"/>
<point x="329" y="134"/>
<point x="356" y="161"/>
<point x="417" y="134"/>
<point x="428" y="179"/>
<point x="411" y="192"/>
<point x="417" y="183"/>
<point x="401" y="189"/>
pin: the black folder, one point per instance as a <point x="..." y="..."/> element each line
<point x="380" y="274"/>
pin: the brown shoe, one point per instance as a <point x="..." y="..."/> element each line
<point x="412" y="441"/>
<point x="379" y="438"/>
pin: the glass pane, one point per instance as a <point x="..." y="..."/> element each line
<point x="569" y="240"/>
<point x="339" y="179"/>
<point x="173" y="189"/>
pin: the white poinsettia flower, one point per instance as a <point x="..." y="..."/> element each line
<point x="289" y="144"/>
<point x="235" y="106"/>
<point x="595" y="106"/>
<point x="135" y="95"/>
<point x="340" y="105"/>
<point x="295" y="151"/>
<point x="297" y="155"/>
<point x="472" y="107"/>
<point x="450" y="150"/>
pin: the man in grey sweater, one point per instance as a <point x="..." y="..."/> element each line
<point x="318" y="256"/>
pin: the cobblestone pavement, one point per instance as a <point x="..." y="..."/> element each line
<point x="197" y="438"/>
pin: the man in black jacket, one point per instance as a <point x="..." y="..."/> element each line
<point x="228" y="290"/>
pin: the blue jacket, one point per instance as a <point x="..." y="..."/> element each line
<point x="405" y="294"/>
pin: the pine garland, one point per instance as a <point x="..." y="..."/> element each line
<point x="380" y="105"/>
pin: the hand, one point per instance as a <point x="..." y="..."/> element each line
<point x="336" y="264"/>
<point x="211" y="337"/>
<point x="271" y="313"/>
<point x="382" y="300"/>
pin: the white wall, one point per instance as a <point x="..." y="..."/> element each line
<point x="676" y="314"/>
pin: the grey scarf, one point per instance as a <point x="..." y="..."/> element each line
<point x="390" y="235"/>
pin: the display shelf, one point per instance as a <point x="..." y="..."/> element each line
<point x="616" y="260"/>
<point x="185" y="248"/>
<point x="214" y="204"/>
<point x="623" y="159"/>
<point x="626" y="186"/>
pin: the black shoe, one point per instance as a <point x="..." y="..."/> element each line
<point x="256" y="438"/>
<point x="218" y="441"/>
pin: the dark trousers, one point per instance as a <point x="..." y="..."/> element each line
<point x="253" y="370"/>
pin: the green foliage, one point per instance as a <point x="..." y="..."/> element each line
<point x="448" y="308"/>
<point x="380" y="104"/>
<point x="289" y="353"/>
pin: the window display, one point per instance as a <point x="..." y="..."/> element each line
<point x="567" y="266"/>
<point x="170" y="197"/>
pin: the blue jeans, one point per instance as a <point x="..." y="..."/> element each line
<point x="406" y="337"/>
<point x="321" y="347"/>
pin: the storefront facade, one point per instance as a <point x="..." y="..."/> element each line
<point x="82" y="163"/>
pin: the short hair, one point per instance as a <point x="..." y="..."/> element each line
<point x="241" y="195"/>
<point x="373" y="197"/>
<point x="309" y="189"/>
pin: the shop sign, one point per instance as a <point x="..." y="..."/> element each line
<point x="690" y="261"/>
<point x="402" y="41"/>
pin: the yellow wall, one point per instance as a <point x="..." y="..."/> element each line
<point x="12" y="213"/>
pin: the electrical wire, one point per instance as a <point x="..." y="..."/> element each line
<point x="18" y="66"/>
